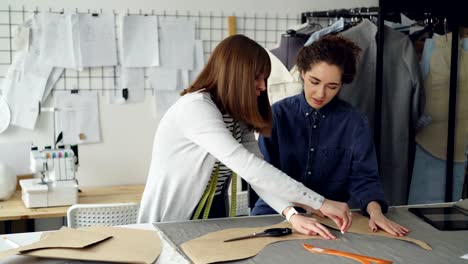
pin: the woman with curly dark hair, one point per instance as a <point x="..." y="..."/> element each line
<point x="324" y="142"/>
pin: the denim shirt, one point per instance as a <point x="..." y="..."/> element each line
<point x="329" y="150"/>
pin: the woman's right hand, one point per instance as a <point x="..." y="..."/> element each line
<point x="310" y="226"/>
<point x="338" y="212"/>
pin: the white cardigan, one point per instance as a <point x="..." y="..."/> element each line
<point x="190" y="138"/>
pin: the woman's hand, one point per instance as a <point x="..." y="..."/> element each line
<point x="378" y="220"/>
<point x="310" y="226"/>
<point x="338" y="212"/>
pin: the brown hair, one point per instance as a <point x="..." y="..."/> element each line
<point x="334" y="50"/>
<point x="230" y="76"/>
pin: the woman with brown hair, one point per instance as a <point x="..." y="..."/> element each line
<point x="208" y="134"/>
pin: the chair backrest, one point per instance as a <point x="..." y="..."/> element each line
<point x="84" y="215"/>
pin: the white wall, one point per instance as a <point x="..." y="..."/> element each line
<point x="127" y="131"/>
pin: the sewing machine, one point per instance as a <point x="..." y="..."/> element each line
<point x="57" y="185"/>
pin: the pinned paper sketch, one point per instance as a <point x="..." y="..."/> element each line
<point x="164" y="100"/>
<point x="177" y="39"/>
<point x="139" y="41"/>
<point x="131" y="86"/>
<point x="21" y="38"/>
<point x="28" y="77"/>
<point x="199" y="60"/>
<point x="163" y="79"/>
<point x="57" y="40"/>
<point x="5" y="115"/>
<point x="51" y="81"/>
<point x="97" y="42"/>
<point x="78" y="40"/>
<point x="26" y="89"/>
<point x="78" y="117"/>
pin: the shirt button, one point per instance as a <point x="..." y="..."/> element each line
<point x="309" y="172"/>
<point x="323" y="116"/>
<point x="315" y="113"/>
<point x="315" y="126"/>
<point x="312" y="149"/>
<point x="307" y="114"/>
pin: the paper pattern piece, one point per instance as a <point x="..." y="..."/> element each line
<point x="78" y="117"/>
<point x="78" y="40"/>
<point x="164" y="100"/>
<point x="163" y="79"/>
<point x="199" y="61"/>
<point x="27" y="78"/>
<point x="63" y="238"/>
<point x="97" y="42"/>
<point x="66" y="238"/>
<point x="57" y="40"/>
<point x="132" y="79"/>
<point x="51" y="81"/>
<point x="177" y="39"/>
<point x="139" y="41"/>
<point x="5" y="115"/>
<point x="126" y="245"/>
<point x="360" y="225"/>
<point x="212" y="248"/>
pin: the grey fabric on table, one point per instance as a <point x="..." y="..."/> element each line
<point x="447" y="246"/>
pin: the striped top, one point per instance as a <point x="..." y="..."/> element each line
<point x="224" y="175"/>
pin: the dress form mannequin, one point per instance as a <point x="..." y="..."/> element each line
<point x="290" y="44"/>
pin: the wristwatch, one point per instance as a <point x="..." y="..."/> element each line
<point x="290" y="213"/>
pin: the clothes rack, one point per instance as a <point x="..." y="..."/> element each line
<point x="418" y="10"/>
<point x="452" y="11"/>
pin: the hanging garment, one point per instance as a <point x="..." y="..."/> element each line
<point x="433" y="138"/>
<point x="402" y="101"/>
<point x="335" y="27"/>
<point x="281" y="82"/>
<point x="428" y="181"/>
<point x="429" y="173"/>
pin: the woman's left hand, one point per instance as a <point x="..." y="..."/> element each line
<point x="378" y="220"/>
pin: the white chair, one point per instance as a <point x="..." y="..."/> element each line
<point x="84" y="215"/>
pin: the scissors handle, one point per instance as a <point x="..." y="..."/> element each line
<point x="274" y="232"/>
<point x="271" y="232"/>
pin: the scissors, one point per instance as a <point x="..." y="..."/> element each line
<point x="271" y="232"/>
<point x="360" y="258"/>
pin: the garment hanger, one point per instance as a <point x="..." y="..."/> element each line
<point x="310" y="27"/>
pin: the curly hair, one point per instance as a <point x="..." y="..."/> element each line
<point x="334" y="50"/>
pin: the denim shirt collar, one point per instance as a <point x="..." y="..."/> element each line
<point x="308" y="110"/>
